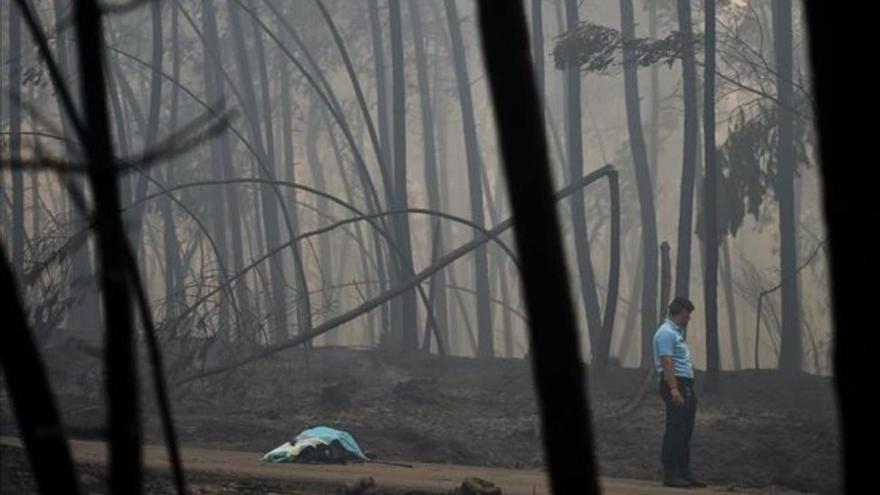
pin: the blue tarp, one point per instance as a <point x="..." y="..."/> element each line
<point x="327" y="435"/>
<point x="311" y="437"/>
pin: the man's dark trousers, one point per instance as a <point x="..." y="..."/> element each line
<point x="679" y="428"/>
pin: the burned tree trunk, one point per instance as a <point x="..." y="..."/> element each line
<point x="124" y="429"/>
<point x="266" y="157"/>
<point x="83" y="316"/>
<point x="316" y="166"/>
<point x="303" y="306"/>
<point x="573" y="140"/>
<point x="410" y="334"/>
<point x="485" y="337"/>
<point x="152" y="128"/>
<point x="710" y="236"/>
<point x="34" y="405"/>
<point x="791" y="356"/>
<point x="727" y="275"/>
<point x="689" y="152"/>
<point x="390" y="313"/>
<point x="538" y="46"/>
<point x="665" y="278"/>
<point x="15" y="56"/>
<point x="220" y="150"/>
<point x="654" y="147"/>
<point x="174" y="276"/>
<point x="643" y="183"/>
<point x="438" y="281"/>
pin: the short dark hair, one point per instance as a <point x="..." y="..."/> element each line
<point x="680" y="304"/>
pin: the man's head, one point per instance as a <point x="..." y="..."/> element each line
<point x="680" y="310"/>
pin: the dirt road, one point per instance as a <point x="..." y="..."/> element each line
<point x="421" y="476"/>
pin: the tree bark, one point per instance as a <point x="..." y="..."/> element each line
<point x="410" y="333"/>
<point x="316" y="166"/>
<point x="432" y="181"/>
<point x="727" y="275"/>
<point x="303" y="307"/>
<point x="643" y="183"/>
<point x="174" y="276"/>
<point x="791" y="355"/>
<point x="15" y="56"/>
<point x="710" y="236"/>
<point x="219" y="148"/>
<point x="266" y="155"/>
<point x="586" y="275"/>
<point x="124" y="429"/>
<point x="689" y="152"/>
<point x="485" y="334"/>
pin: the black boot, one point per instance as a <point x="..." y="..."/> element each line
<point x="687" y="476"/>
<point x="676" y="481"/>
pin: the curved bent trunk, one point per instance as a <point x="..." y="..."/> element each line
<point x="586" y="276"/>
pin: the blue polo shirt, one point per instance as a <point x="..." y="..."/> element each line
<point x="669" y="341"/>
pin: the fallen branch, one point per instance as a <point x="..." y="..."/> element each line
<point x="391" y="294"/>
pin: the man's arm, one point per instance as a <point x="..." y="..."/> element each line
<point x="669" y="376"/>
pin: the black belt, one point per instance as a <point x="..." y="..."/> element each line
<point x="683" y="379"/>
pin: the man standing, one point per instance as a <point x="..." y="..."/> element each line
<point x="672" y="360"/>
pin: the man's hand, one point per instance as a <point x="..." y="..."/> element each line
<point x="669" y="376"/>
<point x="677" y="398"/>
